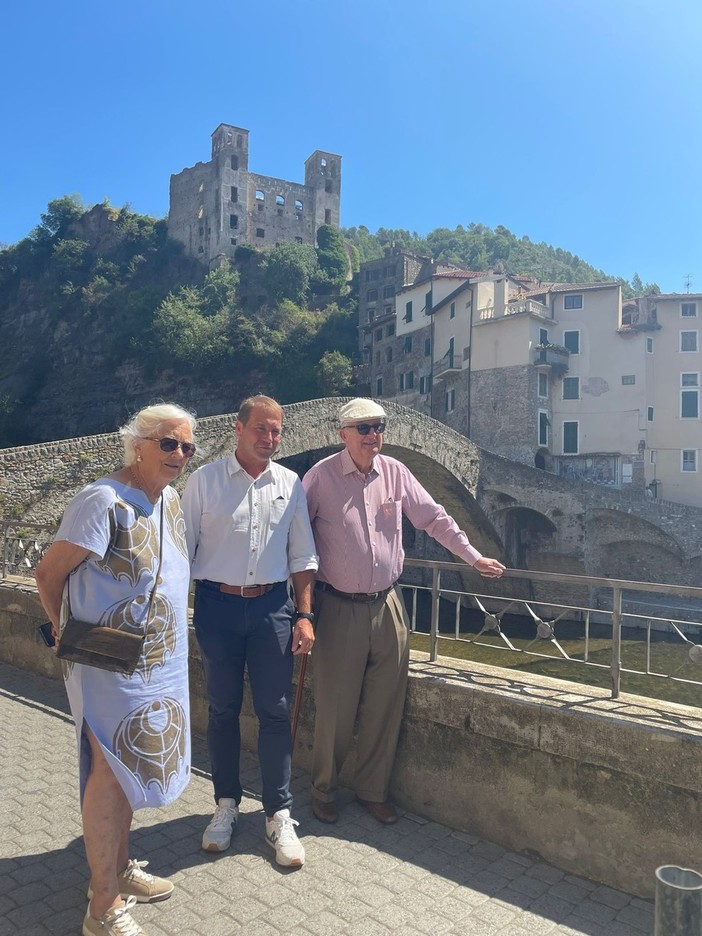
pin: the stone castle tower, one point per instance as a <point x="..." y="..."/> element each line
<point x="218" y="205"/>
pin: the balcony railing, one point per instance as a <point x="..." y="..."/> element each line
<point x="659" y="626"/>
<point x="528" y="305"/>
<point x="450" y="363"/>
<point x="551" y="358"/>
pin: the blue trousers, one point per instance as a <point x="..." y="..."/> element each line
<point x="255" y="633"/>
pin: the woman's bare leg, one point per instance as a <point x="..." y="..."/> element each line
<point x="107" y="817"/>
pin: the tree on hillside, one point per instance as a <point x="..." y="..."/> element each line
<point x="334" y="373"/>
<point x="288" y="271"/>
<point x="332" y="260"/>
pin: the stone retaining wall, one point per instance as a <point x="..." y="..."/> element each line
<point x="601" y="788"/>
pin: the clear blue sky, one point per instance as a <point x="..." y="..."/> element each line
<point x="575" y="122"/>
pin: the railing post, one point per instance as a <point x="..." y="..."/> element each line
<point x="678" y="908"/>
<point x="434" y="629"/>
<point x="616" y="641"/>
<point x="5" y="547"/>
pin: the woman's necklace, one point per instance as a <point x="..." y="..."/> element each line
<point x="137" y="483"/>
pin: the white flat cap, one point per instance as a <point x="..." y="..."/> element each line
<point x="359" y="408"/>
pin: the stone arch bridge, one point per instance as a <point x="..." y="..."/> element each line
<point x="527" y="517"/>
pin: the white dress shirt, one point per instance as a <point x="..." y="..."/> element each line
<point x="246" y="531"/>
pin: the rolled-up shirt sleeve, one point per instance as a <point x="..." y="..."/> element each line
<point x="191" y="505"/>
<point x="302" y="553"/>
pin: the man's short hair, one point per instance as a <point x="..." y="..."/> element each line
<point x="258" y="399"/>
<point x="360" y="408"/>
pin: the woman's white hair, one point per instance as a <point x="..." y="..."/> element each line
<point x="147" y="422"/>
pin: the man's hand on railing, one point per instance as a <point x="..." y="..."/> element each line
<point x="489" y="568"/>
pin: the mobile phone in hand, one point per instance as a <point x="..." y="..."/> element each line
<point x="46" y="635"/>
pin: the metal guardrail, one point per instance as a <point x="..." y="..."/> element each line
<point x="606" y="607"/>
<point x="24" y="544"/>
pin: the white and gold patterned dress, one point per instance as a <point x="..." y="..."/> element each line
<point x="141" y="721"/>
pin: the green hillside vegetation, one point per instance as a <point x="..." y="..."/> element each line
<point x="101" y="312"/>
<point x="479" y="248"/>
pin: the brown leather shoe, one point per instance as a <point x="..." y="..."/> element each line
<point x="325" y="812"/>
<point x="383" y="812"/>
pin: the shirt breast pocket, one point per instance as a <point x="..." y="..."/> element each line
<point x="278" y="508"/>
<point x="388" y="520"/>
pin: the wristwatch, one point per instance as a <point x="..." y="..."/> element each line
<point x="307" y="615"/>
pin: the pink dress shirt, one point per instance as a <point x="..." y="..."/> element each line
<point x="357" y="521"/>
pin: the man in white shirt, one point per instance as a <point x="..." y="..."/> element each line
<point x="248" y="529"/>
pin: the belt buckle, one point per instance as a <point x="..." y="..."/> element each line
<point x="244" y="589"/>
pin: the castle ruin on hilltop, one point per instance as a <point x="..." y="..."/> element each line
<point x="218" y="205"/>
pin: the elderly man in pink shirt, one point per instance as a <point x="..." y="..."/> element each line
<point x="356" y="500"/>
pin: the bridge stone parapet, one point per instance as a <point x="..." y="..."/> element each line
<point x="530" y="518"/>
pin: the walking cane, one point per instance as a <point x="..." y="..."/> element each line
<point x="298" y="696"/>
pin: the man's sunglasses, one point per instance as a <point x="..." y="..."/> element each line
<point x="365" y="428"/>
<point x="167" y="444"/>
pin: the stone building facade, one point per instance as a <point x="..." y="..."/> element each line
<point x="218" y="205"/>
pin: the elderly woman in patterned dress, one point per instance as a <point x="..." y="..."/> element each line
<point x="133" y="731"/>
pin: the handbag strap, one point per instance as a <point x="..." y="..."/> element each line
<point x="158" y="572"/>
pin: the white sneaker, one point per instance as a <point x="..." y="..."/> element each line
<point x="280" y="834"/>
<point x="218" y="834"/>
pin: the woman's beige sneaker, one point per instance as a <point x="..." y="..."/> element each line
<point x="116" y="922"/>
<point x="145" y="887"/>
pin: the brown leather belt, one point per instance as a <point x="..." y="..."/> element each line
<point x="243" y="591"/>
<point x="354" y="596"/>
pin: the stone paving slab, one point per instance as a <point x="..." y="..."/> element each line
<point x="360" y="879"/>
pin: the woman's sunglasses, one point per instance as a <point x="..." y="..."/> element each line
<point x="167" y="444"/>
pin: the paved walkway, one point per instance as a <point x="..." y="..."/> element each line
<point x="361" y="879"/>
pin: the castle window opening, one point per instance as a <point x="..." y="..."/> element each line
<point x="371" y="295"/>
<point x="280" y="199"/>
<point x="408" y="344"/>
<point x="388" y="292"/>
<point x="201" y="231"/>
<point x="388" y="310"/>
<point x="388" y="355"/>
<point x="327" y="215"/>
<point x="260" y="196"/>
<point x="232" y="241"/>
<point x="327" y="186"/>
<point x="260" y="206"/>
<point x="378" y="334"/>
<point x="234" y="162"/>
<point x="200" y="212"/>
<point x="450" y="400"/>
<point x="390" y="331"/>
<point x="233" y="221"/>
<point x="230" y="136"/>
<point x="427" y="347"/>
<point x="200" y="249"/>
<point x="298" y="205"/>
<point x="238" y="140"/>
<point x="234" y="194"/>
<point x="323" y="163"/>
<point x="298" y="240"/>
<point x="260" y="232"/>
<point x="379" y="386"/>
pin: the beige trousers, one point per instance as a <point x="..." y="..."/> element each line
<point x="361" y="657"/>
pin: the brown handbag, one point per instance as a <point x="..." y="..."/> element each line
<point x="106" y="648"/>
